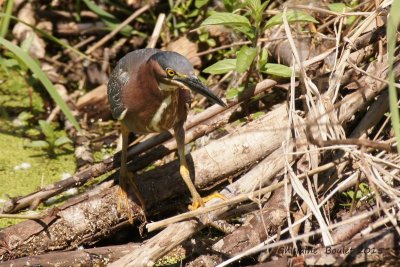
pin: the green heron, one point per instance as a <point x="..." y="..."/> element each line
<point x="149" y="91"/>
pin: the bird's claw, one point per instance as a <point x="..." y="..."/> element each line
<point x="196" y="203"/>
<point x="123" y="204"/>
<point x="199" y="202"/>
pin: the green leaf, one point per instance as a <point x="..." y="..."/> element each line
<point x="257" y="115"/>
<point x="234" y="5"/>
<point x="23" y="119"/>
<point x="350" y="194"/>
<point x="263" y="58"/>
<point x="337" y="7"/>
<point x="234" y="21"/>
<point x="37" y="71"/>
<point x="277" y="70"/>
<point x="200" y="3"/>
<point x="203" y="36"/>
<point x="392" y="24"/>
<point x="340" y="8"/>
<point x="62" y="141"/>
<point x="232" y="93"/>
<point x="181" y="25"/>
<point x="9" y="63"/>
<point x="230" y="5"/>
<point x="257" y="9"/>
<point x="254" y="5"/>
<point x="46" y="128"/>
<point x="226" y="19"/>
<point x="364" y="188"/>
<point x="211" y="42"/>
<point x="221" y="67"/>
<point x="109" y="19"/>
<point x="359" y="195"/>
<point x="25" y="116"/>
<point x="292" y="16"/>
<point x="350" y="20"/>
<point x="38" y="144"/>
<point x="244" y="58"/>
<point x="193" y="13"/>
<point x="78" y="10"/>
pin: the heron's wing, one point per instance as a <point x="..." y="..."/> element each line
<point x="120" y="76"/>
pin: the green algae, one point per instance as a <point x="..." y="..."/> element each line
<point x="24" y="170"/>
<point x="43" y="170"/>
<point x="17" y="95"/>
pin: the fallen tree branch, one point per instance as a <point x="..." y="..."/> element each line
<point x="83" y="220"/>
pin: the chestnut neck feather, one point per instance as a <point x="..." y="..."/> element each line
<point x="143" y="99"/>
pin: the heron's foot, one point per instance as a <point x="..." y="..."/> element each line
<point x="199" y="202"/>
<point x="126" y="182"/>
<point x="123" y="206"/>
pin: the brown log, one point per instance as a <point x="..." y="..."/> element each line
<point x="153" y="249"/>
<point x="83" y="220"/>
<point x="80" y="257"/>
<point x="273" y="215"/>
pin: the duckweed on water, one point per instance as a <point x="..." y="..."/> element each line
<point x="24" y="170"/>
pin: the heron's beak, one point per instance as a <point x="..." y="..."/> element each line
<point x="197" y="86"/>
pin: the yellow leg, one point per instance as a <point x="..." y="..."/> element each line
<point x="125" y="179"/>
<point x="197" y="201"/>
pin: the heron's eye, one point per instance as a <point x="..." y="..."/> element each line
<point x="170" y="72"/>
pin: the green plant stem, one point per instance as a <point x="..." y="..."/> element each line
<point x="254" y="43"/>
<point x="5" y="21"/>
